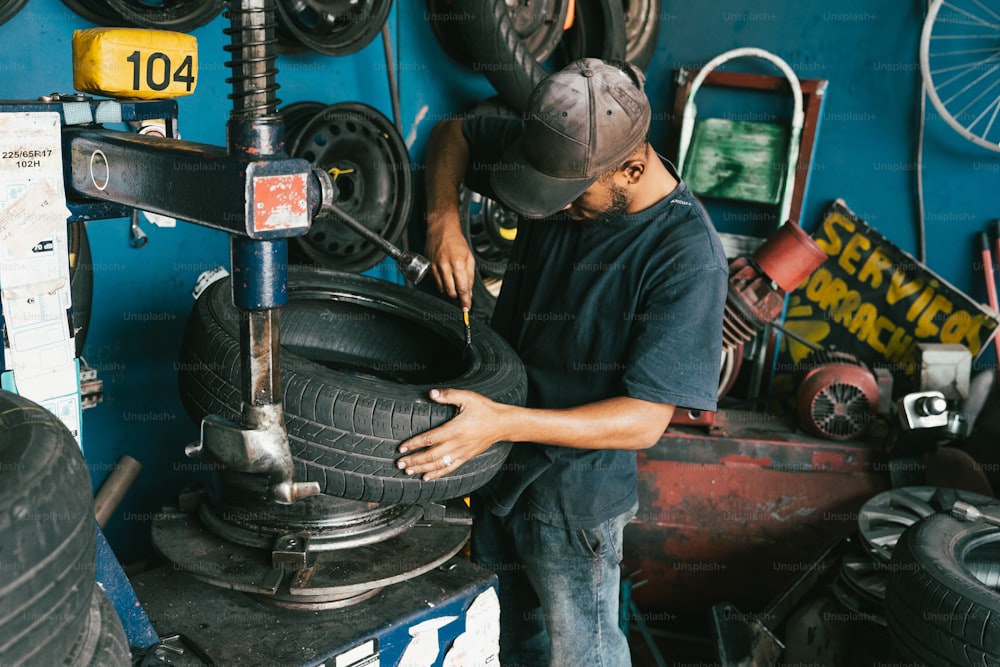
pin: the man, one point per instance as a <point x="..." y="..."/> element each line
<point x="614" y="301"/>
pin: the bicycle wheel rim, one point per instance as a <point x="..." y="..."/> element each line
<point x="962" y="76"/>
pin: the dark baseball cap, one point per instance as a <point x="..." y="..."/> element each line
<point x="580" y="122"/>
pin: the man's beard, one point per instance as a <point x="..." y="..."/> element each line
<point x="619" y="204"/>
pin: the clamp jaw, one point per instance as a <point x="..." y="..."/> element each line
<point x="263" y="450"/>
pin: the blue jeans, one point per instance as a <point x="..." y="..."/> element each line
<point x="559" y="589"/>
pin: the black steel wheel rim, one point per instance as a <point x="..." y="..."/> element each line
<point x="332" y="523"/>
<point x="333" y="27"/>
<point x="96" y="12"/>
<point x="296" y="116"/>
<point x="490" y="228"/>
<point x="179" y="15"/>
<point x="370" y="166"/>
<point x="8" y="8"/>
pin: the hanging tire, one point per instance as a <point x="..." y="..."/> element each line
<point x="598" y="31"/>
<point x="9" y="8"/>
<point x="539" y="26"/>
<point x="81" y="282"/>
<point x="48" y="552"/>
<point x="642" y="29"/>
<point x="490" y="37"/>
<point x="358" y="357"/>
<point x="939" y="610"/>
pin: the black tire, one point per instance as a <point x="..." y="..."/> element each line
<point x="484" y="302"/>
<point x="538" y="24"/>
<point x="358" y="357"/>
<point x="112" y="644"/>
<point x="642" y="30"/>
<point x="81" y="282"/>
<point x="493" y="42"/>
<point x="48" y="552"/>
<point x="10" y="8"/>
<point x="598" y="31"/>
<point x="938" y="612"/>
<point x="102" y="642"/>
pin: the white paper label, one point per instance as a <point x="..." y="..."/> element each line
<point x="480" y="643"/>
<point x="34" y="264"/>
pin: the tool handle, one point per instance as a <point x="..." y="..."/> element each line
<point x="991" y="289"/>
<point x="987" y="256"/>
<point x="114" y="488"/>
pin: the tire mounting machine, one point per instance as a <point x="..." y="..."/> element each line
<point x="252" y="190"/>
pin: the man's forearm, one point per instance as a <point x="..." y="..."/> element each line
<point x="616" y="423"/>
<point x="447" y="158"/>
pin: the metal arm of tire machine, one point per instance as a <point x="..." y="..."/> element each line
<point x="253" y="191"/>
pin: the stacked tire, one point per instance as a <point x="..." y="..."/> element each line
<point x="943" y="592"/>
<point x="53" y="611"/>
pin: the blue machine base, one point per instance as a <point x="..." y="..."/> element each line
<point x="138" y="630"/>
<point x="234" y="628"/>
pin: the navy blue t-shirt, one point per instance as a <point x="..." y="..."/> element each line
<point x="631" y="308"/>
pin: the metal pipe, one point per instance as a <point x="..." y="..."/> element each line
<point x="257" y="334"/>
<point x="259" y="268"/>
<point x="252" y="34"/>
<point x="390" y="68"/>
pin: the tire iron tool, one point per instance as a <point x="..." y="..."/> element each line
<point x="967" y="512"/>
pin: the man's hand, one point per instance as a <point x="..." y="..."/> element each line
<point x="452" y="263"/>
<point x="440" y="451"/>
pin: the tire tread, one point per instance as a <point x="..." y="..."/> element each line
<point x="340" y="436"/>
<point x="943" y="613"/>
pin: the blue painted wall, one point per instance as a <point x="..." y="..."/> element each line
<point x="867" y="49"/>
